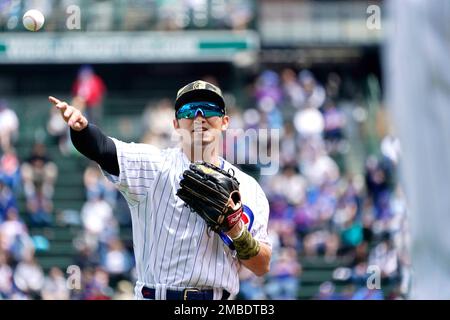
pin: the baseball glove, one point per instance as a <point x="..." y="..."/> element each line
<point x="213" y="193"/>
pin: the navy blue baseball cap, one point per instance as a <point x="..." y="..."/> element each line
<point x="197" y="91"/>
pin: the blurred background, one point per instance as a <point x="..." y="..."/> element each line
<point x="308" y="68"/>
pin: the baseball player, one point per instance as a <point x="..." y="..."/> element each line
<point x="191" y="231"/>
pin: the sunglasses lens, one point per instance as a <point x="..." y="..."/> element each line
<point x="185" y="114"/>
<point x="212" y="113"/>
<point x="190" y="110"/>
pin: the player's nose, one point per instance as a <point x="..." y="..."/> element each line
<point x="199" y="116"/>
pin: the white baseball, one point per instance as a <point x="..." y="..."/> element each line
<point x="33" y="20"/>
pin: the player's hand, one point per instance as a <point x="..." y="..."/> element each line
<point x="71" y="115"/>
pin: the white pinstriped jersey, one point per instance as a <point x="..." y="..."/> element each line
<point x="172" y="247"/>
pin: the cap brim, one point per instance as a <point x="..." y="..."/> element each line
<point x="199" y="95"/>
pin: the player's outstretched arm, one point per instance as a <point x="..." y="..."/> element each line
<point x="88" y="139"/>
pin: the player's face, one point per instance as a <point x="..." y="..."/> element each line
<point x="201" y="129"/>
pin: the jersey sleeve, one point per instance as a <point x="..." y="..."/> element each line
<point x="139" y="164"/>
<point x="260" y="207"/>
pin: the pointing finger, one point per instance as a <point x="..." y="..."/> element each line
<point x="53" y="100"/>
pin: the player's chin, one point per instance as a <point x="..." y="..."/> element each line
<point x="204" y="140"/>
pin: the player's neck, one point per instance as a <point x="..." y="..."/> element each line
<point x="208" y="154"/>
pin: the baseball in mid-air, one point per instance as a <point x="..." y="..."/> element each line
<point x="33" y="20"/>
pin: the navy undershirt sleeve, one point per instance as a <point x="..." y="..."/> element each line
<point x="95" y="145"/>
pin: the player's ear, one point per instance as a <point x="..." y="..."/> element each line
<point x="176" y="125"/>
<point x="225" y="122"/>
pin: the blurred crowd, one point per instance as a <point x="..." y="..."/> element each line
<point x="32" y="178"/>
<point x="104" y="260"/>
<point x="27" y="188"/>
<point x="319" y="208"/>
<point x="137" y="15"/>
